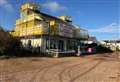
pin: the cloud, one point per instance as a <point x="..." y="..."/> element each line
<point x="5" y="4"/>
<point x="111" y="28"/>
<point x="54" y="6"/>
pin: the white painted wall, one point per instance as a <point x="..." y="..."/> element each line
<point x="34" y="42"/>
<point x="112" y="45"/>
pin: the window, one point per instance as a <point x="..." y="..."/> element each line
<point x="50" y="44"/>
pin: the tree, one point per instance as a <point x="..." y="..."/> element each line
<point x="7" y="42"/>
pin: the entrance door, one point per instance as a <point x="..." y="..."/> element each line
<point x="61" y="45"/>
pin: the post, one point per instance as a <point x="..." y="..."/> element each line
<point x="65" y="45"/>
<point x="79" y="52"/>
<point x="49" y="34"/>
<point x="48" y="24"/>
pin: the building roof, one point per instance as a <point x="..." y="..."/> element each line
<point x="92" y="38"/>
<point x="112" y="41"/>
<point x="53" y="17"/>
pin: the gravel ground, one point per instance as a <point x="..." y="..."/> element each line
<point x="91" y="68"/>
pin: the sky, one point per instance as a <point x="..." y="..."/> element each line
<point x="100" y="17"/>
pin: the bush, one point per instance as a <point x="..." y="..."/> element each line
<point x="7" y="43"/>
<point x="103" y="49"/>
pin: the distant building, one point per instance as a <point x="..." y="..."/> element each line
<point x="112" y="44"/>
<point x="37" y="29"/>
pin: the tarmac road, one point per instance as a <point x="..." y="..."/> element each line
<point x="92" y="68"/>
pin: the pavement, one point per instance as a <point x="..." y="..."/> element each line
<point x="90" y="68"/>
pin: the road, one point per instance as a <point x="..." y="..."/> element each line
<point x="92" y="68"/>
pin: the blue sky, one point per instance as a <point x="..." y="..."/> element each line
<point x="100" y="17"/>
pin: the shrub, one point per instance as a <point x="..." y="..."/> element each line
<point x="103" y="49"/>
<point x="7" y="42"/>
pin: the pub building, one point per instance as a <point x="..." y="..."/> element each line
<point x="40" y="30"/>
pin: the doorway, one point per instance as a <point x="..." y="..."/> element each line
<point x="61" y="45"/>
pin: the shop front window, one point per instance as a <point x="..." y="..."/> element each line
<point x="51" y="44"/>
<point x="61" y="45"/>
<point x="70" y="45"/>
